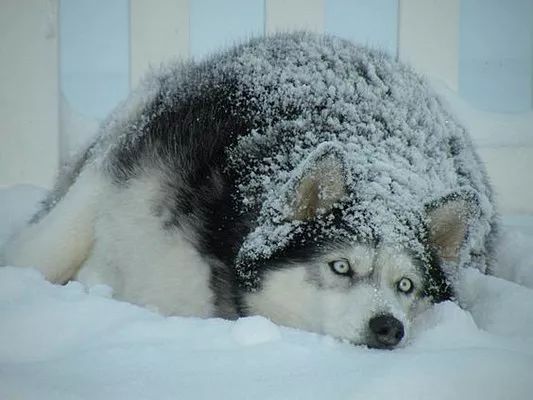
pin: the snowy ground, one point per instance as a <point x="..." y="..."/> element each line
<point x="69" y="342"/>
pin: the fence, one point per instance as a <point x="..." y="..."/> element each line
<point x="67" y="63"/>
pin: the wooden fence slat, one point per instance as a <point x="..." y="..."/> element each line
<point x="496" y="54"/>
<point x="215" y="24"/>
<point x="159" y="31"/>
<point x="93" y="65"/>
<point x="369" y="22"/>
<point x="29" y="143"/>
<point x="290" y="15"/>
<point x="429" y="38"/>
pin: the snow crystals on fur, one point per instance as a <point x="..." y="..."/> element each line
<point x="307" y="95"/>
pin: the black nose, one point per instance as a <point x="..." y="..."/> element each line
<point x="385" y="332"/>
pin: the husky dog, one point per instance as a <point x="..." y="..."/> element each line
<point x="299" y="177"/>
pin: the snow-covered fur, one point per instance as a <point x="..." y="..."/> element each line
<point x="298" y="176"/>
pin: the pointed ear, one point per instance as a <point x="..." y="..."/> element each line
<point x="448" y="222"/>
<point x="320" y="187"/>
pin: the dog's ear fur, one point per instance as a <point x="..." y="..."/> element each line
<point x="448" y="222"/>
<point x="320" y="187"/>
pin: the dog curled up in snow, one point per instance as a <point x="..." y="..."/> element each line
<point x="299" y="177"/>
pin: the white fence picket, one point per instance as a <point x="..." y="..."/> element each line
<point x="215" y="25"/>
<point x="29" y="131"/>
<point x="369" y="22"/>
<point x="93" y="51"/>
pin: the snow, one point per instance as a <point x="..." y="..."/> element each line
<point x="72" y="342"/>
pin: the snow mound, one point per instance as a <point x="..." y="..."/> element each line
<point x="60" y="342"/>
<point x="255" y="330"/>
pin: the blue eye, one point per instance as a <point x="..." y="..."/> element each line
<point x="341" y="267"/>
<point x="405" y="285"/>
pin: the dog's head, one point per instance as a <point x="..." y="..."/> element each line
<point x="364" y="291"/>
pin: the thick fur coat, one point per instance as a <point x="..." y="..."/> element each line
<point x="262" y="155"/>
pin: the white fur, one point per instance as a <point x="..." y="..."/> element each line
<point x="100" y="233"/>
<point x="141" y="261"/>
<point x="60" y="242"/>
<point x="332" y="304"/>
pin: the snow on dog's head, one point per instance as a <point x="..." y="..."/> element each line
<point x="366" y="289"/>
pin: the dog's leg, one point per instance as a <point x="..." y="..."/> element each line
<point x="59" y="242"/>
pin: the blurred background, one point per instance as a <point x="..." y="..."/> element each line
<point x="65" y="64"/>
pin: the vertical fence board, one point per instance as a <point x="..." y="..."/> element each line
<point x="94" y="65"/>
<point x="290" y="15"/>
<point x="369" y="22"/>
<point x="429" y="38"/>
<point x="217" y="24"/>
<point x="159" y="31"/>
<point x="29" y="141"/>
<point x="496" y="54"/>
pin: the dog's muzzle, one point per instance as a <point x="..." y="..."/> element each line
<point x="385" y="332"/>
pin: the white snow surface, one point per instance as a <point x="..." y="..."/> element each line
<point x="72" y="342"/>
